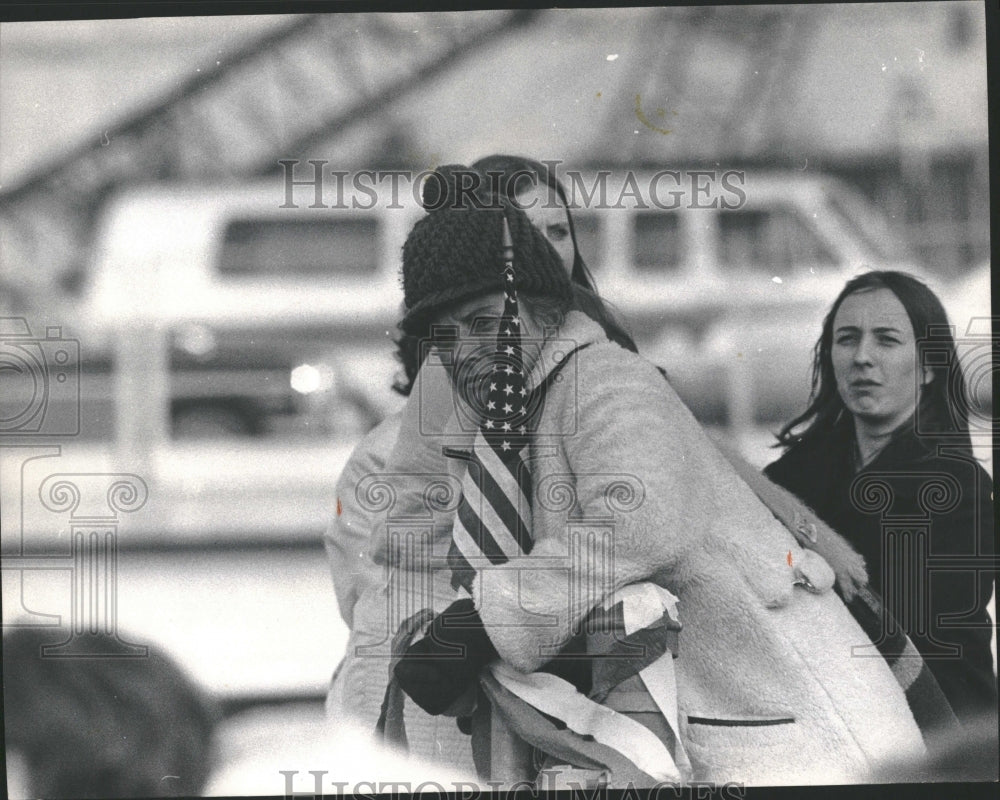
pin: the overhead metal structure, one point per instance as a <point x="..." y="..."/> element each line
<point x="720" y="118"/>
<point x="313" y="80"/>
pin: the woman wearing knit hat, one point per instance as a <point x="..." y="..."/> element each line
<point x="454" y="252"/>
<point x="766" y="689"/>
<point x="535" y="187"/>
<point x="359" y="582"/>
<point x="530" y="184"/>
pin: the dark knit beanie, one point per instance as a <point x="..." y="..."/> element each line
<point x="455" y="252"/>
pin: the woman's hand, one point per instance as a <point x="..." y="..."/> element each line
<point x="438" y="671"/>
<point x="847" y="563"/>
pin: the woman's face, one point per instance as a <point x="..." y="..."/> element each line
<point x="874" y="358"/>
<point x="477" y="321"/>
<point x="476" y="317"/>
<point x="547" y="213"/>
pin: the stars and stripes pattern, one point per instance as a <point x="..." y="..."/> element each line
<point x="633" y="646"/>
<point x="493" y="522"/>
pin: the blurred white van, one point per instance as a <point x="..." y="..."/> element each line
<point x="230" y="255"/>
<point x="727" y="287"/>
<point x="236" y="284"/>
<point x="702" y="243"/>
<point x="226" y="253"/>
<point x="702" y="266"/>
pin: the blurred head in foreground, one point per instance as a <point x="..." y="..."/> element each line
<point x="101" y="726"/>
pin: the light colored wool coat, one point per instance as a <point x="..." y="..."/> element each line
<point x="367" y="594"/>
<point x="755" y="647"/>
<point x="348" y="535"/>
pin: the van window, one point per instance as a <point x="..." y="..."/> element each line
<point x="776" y="240"/>
<point x="659" y="245"/>
<point x="300" y="248"/>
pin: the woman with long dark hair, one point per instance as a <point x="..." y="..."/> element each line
<point x="883" y="455"/>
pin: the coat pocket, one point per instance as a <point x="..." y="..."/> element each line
<point x="748" y="749"/>
<point x="740" y="722"/>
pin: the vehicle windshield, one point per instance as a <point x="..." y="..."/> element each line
<point x="866" y="225"/>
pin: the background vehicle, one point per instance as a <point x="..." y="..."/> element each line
<point x="769" y="241"/>
<point x="727" y="289"/>
<point x="713" y="290"/>
<point x="271" y="319"/>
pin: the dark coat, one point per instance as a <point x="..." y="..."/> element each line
<point x="940" y="490"/>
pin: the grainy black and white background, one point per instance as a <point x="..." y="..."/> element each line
<point x="227" y="344"/>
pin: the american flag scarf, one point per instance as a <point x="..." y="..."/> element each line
<point x="493" y="522"/>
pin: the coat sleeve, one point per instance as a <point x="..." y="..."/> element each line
<point x="803" y="523"/>
<point x="630" y="424"/>
<point x="347" y="537"/>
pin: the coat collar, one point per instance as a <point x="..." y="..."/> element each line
<point x="905" y="447"/>
<point x="837" y="448"/>
<point x="578" y="329"/>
